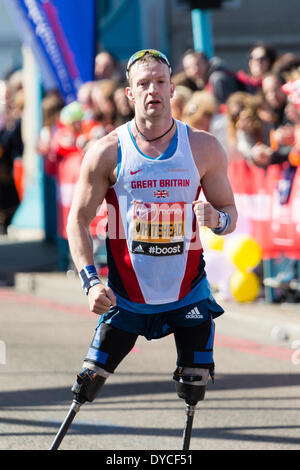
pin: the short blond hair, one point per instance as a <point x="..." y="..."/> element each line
<point x="145" y="60"/>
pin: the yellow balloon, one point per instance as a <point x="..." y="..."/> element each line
<point x="243" y="251"/>
<point x="244" y="286"/>
<point x="213" y="241"/>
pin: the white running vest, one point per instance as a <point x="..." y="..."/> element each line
<point x="153" y="254"/>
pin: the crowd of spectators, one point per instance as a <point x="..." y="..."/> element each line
<point x="255" y="113"/>
<point x="249" y="111"/>
<point x="101" y="106"/>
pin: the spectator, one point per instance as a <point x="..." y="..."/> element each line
<point x="106" y="66"/>
<point x="261" y="59"/>
<point x="11" y="148"/>
<point x="84" y="97"/>
<point x="289" y="168"/>
<point x="124" y="109"/>
<point x="275" y="99"/>
<point x="290" y="160"/>
<point x="292" y="89"/>
<point x="181" y="96"/>
<point x="67" y="136"/>
<point x="286" y="63"/>
<point x="14" y="83"/>
<point x="99" y="111"/>
<point x="245" y="128"/>
<point x="103" y="103"/>
<point x="282" y="136"/>
<point x="199" y="110"/>
<point x="2" y="103"/>
<point x="52" y="104"/>
<point x="200" y="73"/>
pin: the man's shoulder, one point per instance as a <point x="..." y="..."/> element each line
<point x="206" y="148"/>
<point x="107" y="142"/>
<point x="201" y="136"/>
<point x="106" y="146"/>
<point x="103" y="154"/>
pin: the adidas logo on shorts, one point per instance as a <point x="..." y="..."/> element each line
<point x="194" y="313"/>
<point x="139" y="249"/>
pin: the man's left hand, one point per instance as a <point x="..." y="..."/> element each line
<point x="206" y="214"/>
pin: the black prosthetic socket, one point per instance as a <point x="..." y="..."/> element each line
<point x="185" y="388"/>
<point x="87" y="386"/>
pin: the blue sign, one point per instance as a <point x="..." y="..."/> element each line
<point x="62" y="36"/>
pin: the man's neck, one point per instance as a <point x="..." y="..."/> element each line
<point x="153" y="130"/>
<point x="151" y="145"/>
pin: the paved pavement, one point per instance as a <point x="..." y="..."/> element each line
<point x="31" y="255"/>
<point x="66" y="287"/>
<point x="46" y="326"/>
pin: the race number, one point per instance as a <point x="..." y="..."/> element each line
<point x="158" y="228"/>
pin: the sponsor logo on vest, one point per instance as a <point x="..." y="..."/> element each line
<point x="157" y="249"/>
<point x="194" y="313"/>
<point x="166" y="250"/>
<point x="135" y="172"/>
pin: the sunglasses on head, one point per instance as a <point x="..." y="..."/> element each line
<point x="140" y="54"/>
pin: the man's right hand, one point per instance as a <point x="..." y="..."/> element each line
<point x="101" y="298"/>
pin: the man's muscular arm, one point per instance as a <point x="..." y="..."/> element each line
<point x="211" y="161"/>
<point x="96" y="175"/>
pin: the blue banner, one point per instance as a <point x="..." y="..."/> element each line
<point x="62" y="36"/>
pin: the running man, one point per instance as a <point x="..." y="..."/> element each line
<point x="150" y="171"/>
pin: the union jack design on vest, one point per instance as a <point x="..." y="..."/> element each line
<point x="161" y="193"/>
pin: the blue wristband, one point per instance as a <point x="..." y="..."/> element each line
<point x="224" y="227"/>
<point x="89" y="277"/>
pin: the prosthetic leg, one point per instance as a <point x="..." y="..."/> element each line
<point x="117" y="344"/>
<point x="86" y="388"/>
<point x="190" y="386"/>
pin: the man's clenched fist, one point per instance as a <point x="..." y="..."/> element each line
<point x="101" y="298"/>
<point x="206" y="214"/>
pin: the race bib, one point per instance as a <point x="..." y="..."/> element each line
<point x="158" y="228"/>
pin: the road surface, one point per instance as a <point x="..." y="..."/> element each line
<point x="45" y="330"/>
